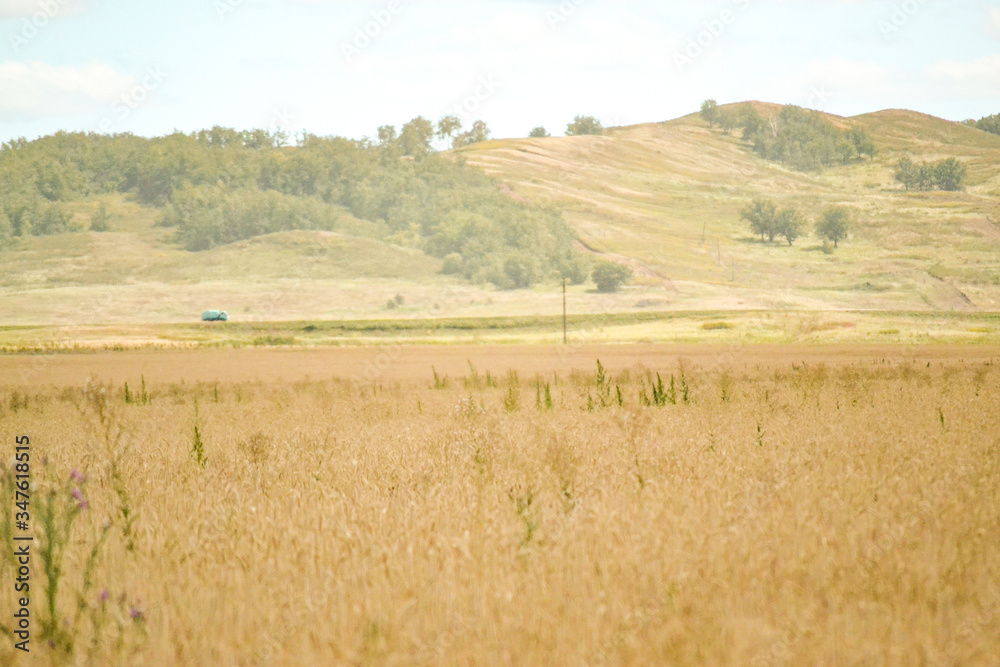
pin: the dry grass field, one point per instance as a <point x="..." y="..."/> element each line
<point x="760" y="506"/>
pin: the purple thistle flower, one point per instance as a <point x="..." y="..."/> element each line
<point x="77" y="476"/>
<point x="105" y="595"/>
<point x="81" y="502"/>
<point x="136" y="614"/>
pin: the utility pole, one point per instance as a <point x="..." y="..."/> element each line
<point x="565" y="328"/>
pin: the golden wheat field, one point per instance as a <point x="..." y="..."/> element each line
<point x="504" y="506"/>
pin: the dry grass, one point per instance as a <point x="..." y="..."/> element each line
<point x="668" y="197"/>
<point x="788" y="513"/>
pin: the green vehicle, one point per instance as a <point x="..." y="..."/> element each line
<point x="215" y="316"/>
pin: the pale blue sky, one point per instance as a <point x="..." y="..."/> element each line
<point x="150" y="67"/>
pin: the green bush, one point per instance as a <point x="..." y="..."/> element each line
<point x="584" y="125"/>
<point x="610" y="276"/>
<point x="452" y="264"/>
<point x="100" y="221"/>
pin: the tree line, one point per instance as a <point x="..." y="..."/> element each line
<point x="948" y="175"/>
<point x="801" y="139"/>
<point x="222" y="185"/>
<point x="989" y="124"/>
<point x="769" y="222"/>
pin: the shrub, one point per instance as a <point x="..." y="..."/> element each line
<point x="610" y="276"/>
<point x="575" y="268"/>
<point x="99" y="222"/>
<point x="584" y="125"/>
<point x="54" y="220"/>
<point x="452" y="264"/>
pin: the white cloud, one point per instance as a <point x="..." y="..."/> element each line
<point x="974" y="78"/>
<point x="841" y="73"/>
<point x="993" y="20"/>
<point x="13" y="9"/>
<point x="30" y="90"/>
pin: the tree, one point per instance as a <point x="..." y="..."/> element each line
<point x="479" y="133"/>
<point x="99" y="221"/>
<point x="834" y="225"/>
<point x="762" y="214"/>
<point x="54" y="220"/>
<point x="710" y="112"/>
<point x="862" y="143"/>
<point x="751" y="122"/>
<point x="452" y="265"/>
<point x="989" y="124"/>
<point x="802" y="139"/>
<point x="218" y="187"/>
<point x="908" y="173"/>
<point x="727" y="119"/>
<point x="387" y="135"/>
<point x="575" y="267"/>
<point x="448" y="127"/>
<point x="949" y="175"/>
<point x="610" y="276"/>
<point x="946" y="175"/>
<point x="584" y="125"/>
<point x="539" y="133"/>
<point x="6" y="229"/>
<point x="415" y="139"/>
<point x="789" y="224"/>
<point x="520" y="270"/>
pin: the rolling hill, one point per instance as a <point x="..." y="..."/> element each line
<point x="666" y="199"/>
<point x="662" y="198"/>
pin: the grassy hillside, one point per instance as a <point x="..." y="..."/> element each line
<point x="666" y="198"/>
<point x="663" y="198"/>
